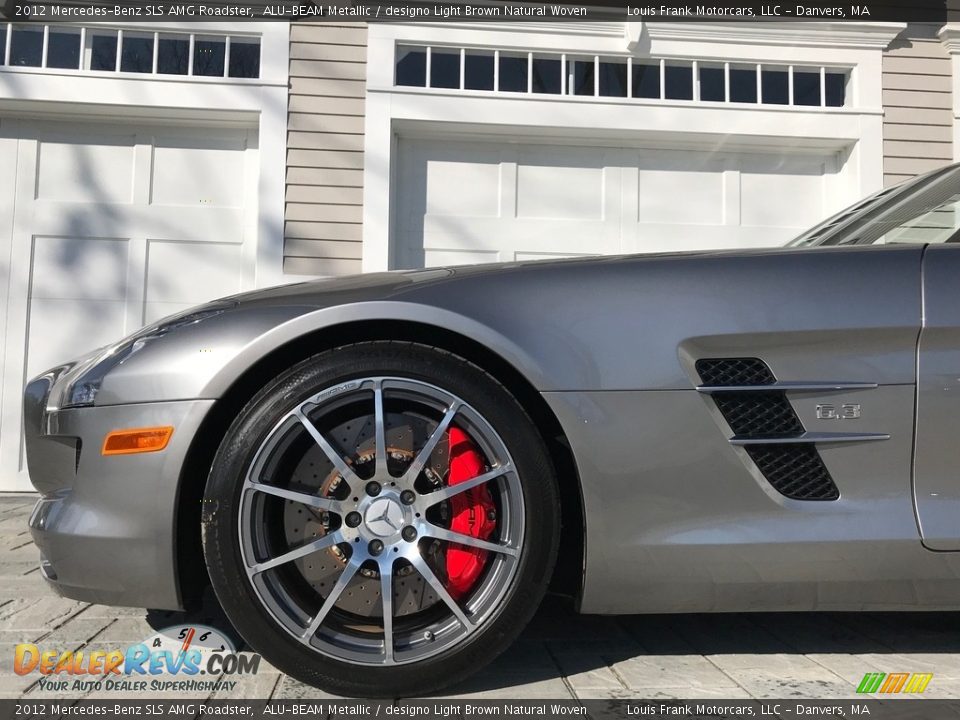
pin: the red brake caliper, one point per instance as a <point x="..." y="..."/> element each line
<point x="473" y="514"/>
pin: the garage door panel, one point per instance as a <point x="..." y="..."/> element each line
<point x="86" y="169"/>
<point x="186" y="272"/>
<point x="485" y="202"/>
<point x="560" y="193"/>
<point x="680" y="187"/>
<point x="679" y="159"/>
<point x="671" y="238"/>
<point x="767" y="201"/>
<point x="196" y="224"/>
<point x="65" y="329"/>
<point x="494" y="234"/>
<point x="702" y="194"/>
<point x="521" y="256"/>
<point x="542" y="237"/>
<point x="467" y="234"/>
<point x="771" y="198"/>
<point x="79" y="219"/>
<point x="456" y="188"/>
<point x="768" y="236"/>
<point x="194" y="172"/>
<point x="789" y="164"/>
<point x="437" y="257"/>
<point x="114" y="226"/>
<point x="558" y="182"/>
<point x="782" y="190"/>
<point x="79" y="268"/>
<point x="474" y="201"/>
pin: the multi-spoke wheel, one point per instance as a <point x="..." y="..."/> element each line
<point x="385" y="520"/>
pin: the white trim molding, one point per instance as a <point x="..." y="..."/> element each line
<point x="850" y="35"/>
<point x="853" y="132"/>
<point x="950" y="37"/>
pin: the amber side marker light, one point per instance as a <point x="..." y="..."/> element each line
<point x="137" y="440"/>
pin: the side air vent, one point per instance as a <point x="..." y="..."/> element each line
<point x="734" y="371"/>
<point x="794" y="469"/>
<point x="759" y="414"/>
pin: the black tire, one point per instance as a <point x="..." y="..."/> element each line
<point x="537" y="555"/>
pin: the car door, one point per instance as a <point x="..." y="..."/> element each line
<point x="936" y="481"/>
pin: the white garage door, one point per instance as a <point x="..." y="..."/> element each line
<point x="469" y="202"/>
<point x="108" y="228"/>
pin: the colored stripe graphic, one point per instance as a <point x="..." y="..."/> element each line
<point x="894" y="682"/>
<point x="870" y="682"/>
<point x="918" y="682"/>
<point x="879" y="682"/>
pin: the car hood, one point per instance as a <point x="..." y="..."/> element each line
<point x="605" y="323"/>
<point x="400" y="285"/>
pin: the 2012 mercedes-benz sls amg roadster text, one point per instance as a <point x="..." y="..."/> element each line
<point x="381" y="474"/>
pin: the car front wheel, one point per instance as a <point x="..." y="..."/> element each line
<point x="381" y="520"/>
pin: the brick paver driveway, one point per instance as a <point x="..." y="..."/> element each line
<point x="561" y="655"/>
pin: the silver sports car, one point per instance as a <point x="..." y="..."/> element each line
<point x="381" y="475"/>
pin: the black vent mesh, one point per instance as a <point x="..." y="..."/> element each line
<point x="796" y="471"/>
<point x="734" y="371"/>
<point x="759" y="414"/>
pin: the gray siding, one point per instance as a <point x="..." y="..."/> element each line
<point x="918" y="104"/>
<point x="325" y="148"/>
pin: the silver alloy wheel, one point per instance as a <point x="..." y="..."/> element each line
<point x="378" y="524"/>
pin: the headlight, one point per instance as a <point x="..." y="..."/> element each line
<point x="83" y="389"/>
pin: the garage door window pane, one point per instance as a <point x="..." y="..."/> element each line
<point x="646" y="80"/>
<point x="173" y="55"/>
<point x="580" y="76"/>
<point x="835" y="89"/>
<point x="445" y="68"/>
<point x="137" y="54"/>
<point x="678" y="82"/>
<point x="26" y="46"/>
<point x="743" y="84"/>
<point x="712" y="84"/>
<point x="244" y="58"/>
<point x="63" y="49"/>
<point x="775" y="86"/>
<point x="513" y="73"/>
<point x="103" y="51"/>
<point x="806" y="87"/>
<point x="613" y="79"/>
<point x="208" y="56"/>
<point x="411" y="67"/>
<point x="547" y="75"/>
<point x="478" y="71"/>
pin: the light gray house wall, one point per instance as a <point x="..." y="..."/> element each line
<point x="918" y="119"/>
<point x="325" y="148"/>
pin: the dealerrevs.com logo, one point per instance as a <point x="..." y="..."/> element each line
<point x="182" y="658"/>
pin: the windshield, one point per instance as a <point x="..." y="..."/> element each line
<point x="923" y="210"/>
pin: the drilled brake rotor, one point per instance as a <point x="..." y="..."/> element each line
<point x="302" y="524"/>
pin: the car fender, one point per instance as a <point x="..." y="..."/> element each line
<point x="329" y="318"/>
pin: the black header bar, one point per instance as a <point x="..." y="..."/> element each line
<point x="85" y="11"/>
<point x="122" y="708"/>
